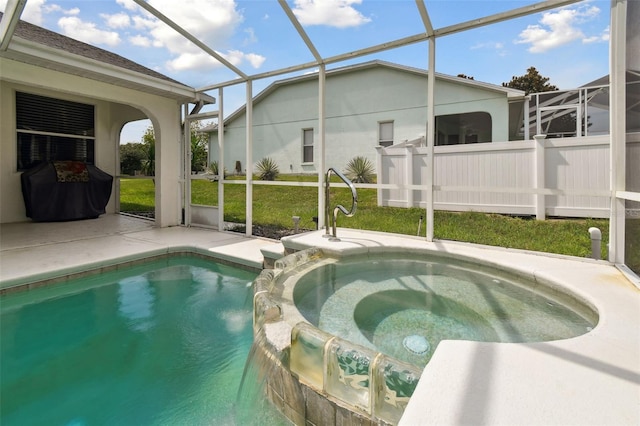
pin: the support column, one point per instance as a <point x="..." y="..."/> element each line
<point x="249" y="160"/>
<point x="167" y="131"/>
<point x="221" y="164"/>
<point x="431" y="124"/>
<point x="321" y="145"/>
<point x="617" y="134"/>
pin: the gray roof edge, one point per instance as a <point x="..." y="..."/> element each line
<point x="27" y="47"/>
<point x="44" y="40"/>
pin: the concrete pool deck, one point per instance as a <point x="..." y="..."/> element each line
<point x="591" y="379"/>
<point x="31" y="251"/>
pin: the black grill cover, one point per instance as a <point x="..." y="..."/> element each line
<point x="65" y="191"/>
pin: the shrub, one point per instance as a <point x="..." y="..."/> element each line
<point x="267" y="169"/>
<point x="360" y="170"/>
<point x="214" y="169"/>
<point x="131" y="156"/>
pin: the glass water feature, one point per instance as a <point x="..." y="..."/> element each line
<point x="307" y="353"/>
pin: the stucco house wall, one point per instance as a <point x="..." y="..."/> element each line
<point x="45" y="63"/>
<point x="357" y="99"/>
<point x="114" y="107"/>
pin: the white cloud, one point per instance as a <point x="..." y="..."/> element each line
<point x="52" y="8"/>
<point x="202" y="61"/>
<point x="32" y="11"/>
<point x="141" y="23"/>
<point x="604" y="37"/>
<point x="128" y="4"/>
<point x="86" y="31"/>
<point x="141" y="41"/>
<point x="333" y="13"/>
<point x="192" y="61"/>
<point x="255" y="60"/>
<point x="119" y="20"/>
<point x="488" y="45"/>
<point x="251" y="36"/>
<point x="557" y="28"/>
<point x="212" y="22"/>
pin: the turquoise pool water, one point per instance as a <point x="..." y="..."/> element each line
<point x="162" y="343"/>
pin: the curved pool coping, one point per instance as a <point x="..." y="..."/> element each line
<point x="589" y="379"/>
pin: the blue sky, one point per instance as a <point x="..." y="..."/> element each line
<point x="569" y="45"/>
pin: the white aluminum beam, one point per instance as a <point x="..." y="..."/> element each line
<point x="617" y="133"/>
<point x="301" y="32"/>
<point x="146" y="6"/>
<point x="249" y="160"/>
<point x="221" y="164"/>
<point x="503" y="16"/>
<point x="322" y="163"/>
<point x="405" y="41"/>
<point x="10" y="19"/>
<point x="430" y="136"/>
<point x="186" y="166"/>
<point x="424" y="15"/>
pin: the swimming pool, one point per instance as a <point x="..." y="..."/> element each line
<point x="159" y="343"/>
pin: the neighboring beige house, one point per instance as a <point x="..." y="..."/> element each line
<point x="43" y="70"/>
<point x="371" y="104"/>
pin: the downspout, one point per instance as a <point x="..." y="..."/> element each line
<point x="186" y="172"/>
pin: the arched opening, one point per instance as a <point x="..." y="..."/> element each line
<point x="135" y="188"/>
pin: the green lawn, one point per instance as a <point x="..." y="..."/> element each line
<point x="275" y="205"/>
<point x="137" y="195"/>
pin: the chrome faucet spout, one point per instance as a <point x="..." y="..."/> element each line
<point x="331" y="220"/>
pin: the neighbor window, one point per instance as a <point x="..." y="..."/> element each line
<point x="385" y="133"/>
<point x="469" y="127"/>
<point x="307" y="146"/>
<point x="51" y="129"/>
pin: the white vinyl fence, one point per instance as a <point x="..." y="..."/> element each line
<point x="555" y="177"/>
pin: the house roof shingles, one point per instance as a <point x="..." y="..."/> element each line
<point x="53" y="40"/>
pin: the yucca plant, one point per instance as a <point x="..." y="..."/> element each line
<point x="214" y="169"/>
<point x="267" y="169"/>
<point x="360" y="170"/>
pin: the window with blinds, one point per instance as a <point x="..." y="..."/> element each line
<point x="307" y="145"/>
<point x="385" y="133"/>
<point x="51" y="129"/>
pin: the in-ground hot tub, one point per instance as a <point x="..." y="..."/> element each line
<point x="363" y="326"/>
<point x="404" y="304"/>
